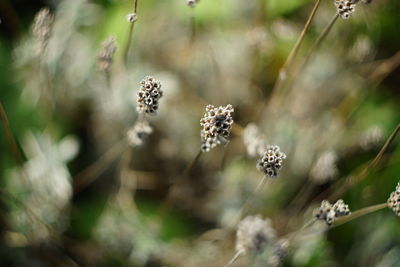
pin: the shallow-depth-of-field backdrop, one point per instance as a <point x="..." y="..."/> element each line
<point x="200" y="133"/>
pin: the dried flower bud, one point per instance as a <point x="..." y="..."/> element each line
<point x="217" y="123"/>
<point x="106" y="54"/>
<point x="138" y="133"/>
<point x="328" y="212"/>
<point x="42" y="27"/>
<point x="149" y="96"/>
<point x="345" y="8"/>
<point x="394" y="200"/>
<point x="271" y="162"/>
<point x="192" y="3"/>
<point x="253" y="141"/>
<point x="131" y="17"/>
<point x="325" y="168"/>
<point x="253" y="234"/>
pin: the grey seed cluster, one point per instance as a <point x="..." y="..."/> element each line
<point x="149" y="96"/>
<point x="106" y="54"/>
<point x="42" y="27"/>
<point x="253" y="234"/>
<point x="345" y="8"/>
<point x="138" y="133"/>
<point x="394" y="200"/>
<point x="131" y="17"/>
<point x="271" y="161"/>
<point x="217" y="124"/>
<point x="328" y="212"/>
<point x="325" y="169"/>
<point x="253" y="141"/>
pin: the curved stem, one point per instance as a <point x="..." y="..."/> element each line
<point x="359" y="213"/>
<point x="283" y="73"/>
<point x="314" y="48"/>
<point x="130" y="34"/>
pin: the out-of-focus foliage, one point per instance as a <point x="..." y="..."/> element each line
<point x="84" y="196"/>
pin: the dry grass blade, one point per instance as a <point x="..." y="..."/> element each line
<point x="360" y="176"/>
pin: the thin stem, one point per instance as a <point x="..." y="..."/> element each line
<point x="251" y="198"/>
<point x="283" y="73"/>
<point x="189" y="168"/>
<point x="359" y="177"/>
<point x="314" y="48"/>
<point x="292" y="235"/>
<point x="93" y="171"/>
<point x="130" y="34"/>
<point x="358" y="213"/>
<point x="234" y="258"/>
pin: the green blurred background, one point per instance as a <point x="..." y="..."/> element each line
<point x="64" y="118"/>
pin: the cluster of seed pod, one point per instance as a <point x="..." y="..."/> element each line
<point x="271" y="162"/>
<point x="345" y="8"/>
<point x="217" y="124"/>
<point x="149" y="96"/>
<point x="328" y="212"/>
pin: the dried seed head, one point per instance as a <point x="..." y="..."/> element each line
<point x="138" y="133"/>
<point x="253" y="234"/>
<point x="394" y="200"/>
<point x="41" y="29"/>
<point x="253" y="141"/>
<point x="149" y="96"/>
<point x="325" y="168"/>
<point x="191" y="3"/>
<point x="106" y="54"/>
<point x="217" y="124"/>
<point x="271" y="162"/>
<point x="328" y="212"/>
<point x="345" y="8"/>
<point x="131" y="17"/>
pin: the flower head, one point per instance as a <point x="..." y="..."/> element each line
<point x="149" y="96"/>
<point x="328" y="212"/>
<point x="253" y="234"/>
<point x="217" y="123"/>
<point x="345" y="8"/>
<point x="394" y="200"/>
<point x="271" y="161"/>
